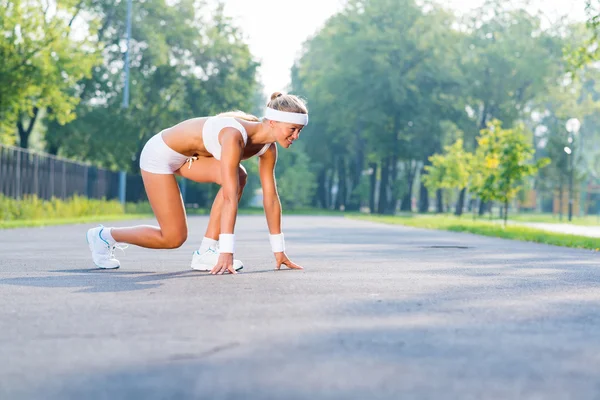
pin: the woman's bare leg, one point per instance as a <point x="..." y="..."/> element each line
<point x="165" y="198"/>
<point x="209" y="170"/>
<point x="214" y="222"/>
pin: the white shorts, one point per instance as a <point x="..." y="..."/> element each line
<point x="158" y="158"/>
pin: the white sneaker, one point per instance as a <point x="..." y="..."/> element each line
<point x="206" y="261"/>
<point x="103" y="254"/>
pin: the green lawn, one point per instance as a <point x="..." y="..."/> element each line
<point x="21" y="223"/>
<point x="485" y="228"/>
<point x="589" y="220"/>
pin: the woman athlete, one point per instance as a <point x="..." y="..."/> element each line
<point x="209" y="149"/>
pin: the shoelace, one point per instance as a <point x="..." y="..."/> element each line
<point x="120" y="246"/>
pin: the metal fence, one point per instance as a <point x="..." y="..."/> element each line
<point x="24" y="172"/>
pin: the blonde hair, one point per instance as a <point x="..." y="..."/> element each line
<point x="240" y="115"/>
<point x="279" y="101"/>
<point x="287" y="102"/>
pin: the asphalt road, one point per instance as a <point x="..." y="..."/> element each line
<point x="380" y="312"/>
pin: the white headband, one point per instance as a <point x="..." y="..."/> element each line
<point x="284" y="116"/>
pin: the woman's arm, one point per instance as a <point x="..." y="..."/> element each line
<point x="272" y="206"/>
<point x="232" y="146"/>
<point x="271" y="202"/>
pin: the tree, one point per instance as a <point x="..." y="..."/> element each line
<point x="295" y="183"/>
<point x="451" y="170"/>
<point x="195" y="65"/>
<point x="503" y="162"/>
<point x="42" y="61"/>
<point x="511" y="61"/>
<point x="578" y="55"/>
<point x="382" y="85"/>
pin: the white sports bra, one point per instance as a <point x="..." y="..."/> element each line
<point x="210" y="134"/>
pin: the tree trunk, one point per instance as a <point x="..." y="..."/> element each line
<point x="439" y="201"/>
<point x="373" y="186"/>
<point x="482" y="207"/>
<point x="393" y="186"/>
<point x="423" y="192"/>
<point x="383" y="186"/>
<point x="25" y="132"/>
<point x="320" y="199"/>
<point x="423" y="199"/>
<point x="340" y="200"/>
<point x="405" y="204"/>
<point x="411" y="173"/>
<point x="460" y="204"/>
<point x="505" y="212"/>
<point x="356" y="173"/>
<point x="560" y="199"/>
<point x="328" y="187"/>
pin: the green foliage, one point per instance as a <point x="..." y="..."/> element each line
<point x="450" y="170"/>
<point x="502" y="162"/>
<point x="42" y="62"/>
<point x="392" y="82"/>
<point x="514" y="232"/>
<point x="252" y="183"/>
<point x="33" y="208"/>
<point x="584" y="52"/>
<point x="187" y="61"/>
<point x="379" y="84"/>
<point x="509" y="59"/>
<point x="295" y="181"/>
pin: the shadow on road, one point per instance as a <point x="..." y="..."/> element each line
<point x="101" y="280"/>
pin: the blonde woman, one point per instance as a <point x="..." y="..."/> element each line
<point x="209" y="149"/>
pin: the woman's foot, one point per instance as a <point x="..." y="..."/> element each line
<point x="103" y="252"/>
<point x="207" y="260"/>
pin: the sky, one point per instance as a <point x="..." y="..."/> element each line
<point x="276" y="29"/>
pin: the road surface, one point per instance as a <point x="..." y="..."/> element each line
<point x="380" y="312"/>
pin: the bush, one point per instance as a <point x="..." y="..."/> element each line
<point x="32" y="208"/>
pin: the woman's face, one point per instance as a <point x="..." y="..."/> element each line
<point x="286" y="133"/>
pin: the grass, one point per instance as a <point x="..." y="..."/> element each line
<point x="514" y="232"/>
<point x="589" y="220"/>
<point x="140" y="211"/>
<point x="24" y="223"/>
<point x="260" y="211"/>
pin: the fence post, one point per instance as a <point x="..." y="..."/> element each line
<point x="122" y="186"/>
<point x="85" y="181"/>
<point x="36" y="177"/>
<point x="51" y="178"/>
<point x="64" y="180"/>
<point x="18" y="174"/>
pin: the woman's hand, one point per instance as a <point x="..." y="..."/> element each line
<point x="225" y="264"/>
<point x="281" y="258"/>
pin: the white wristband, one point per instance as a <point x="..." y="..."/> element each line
<point x="277" y="243"/>
<point x="227" y="243"/>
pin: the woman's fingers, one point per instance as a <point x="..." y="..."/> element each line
<point x="292" y="265"/>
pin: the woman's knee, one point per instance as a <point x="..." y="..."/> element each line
<point x="174" y="240"/>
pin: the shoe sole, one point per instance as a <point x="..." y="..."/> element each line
<point x="92" y="250"/>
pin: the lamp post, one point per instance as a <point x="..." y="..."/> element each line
<point x="573" y="125"/>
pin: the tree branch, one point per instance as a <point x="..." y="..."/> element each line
<point x="77" y="10"/>
<point x="31" y="54"/>
<point x="32" y="121"/>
